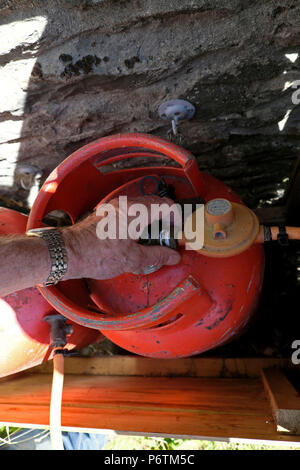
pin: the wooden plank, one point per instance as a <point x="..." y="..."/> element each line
<point x="284" y="399"/>
<point x="178" y="405"/>
<point x="142" y="366"/>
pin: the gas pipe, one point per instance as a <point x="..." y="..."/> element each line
<point x="25" y="339"/>
<point x="203" y="302"/>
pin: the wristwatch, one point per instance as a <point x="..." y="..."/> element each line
<point x="57" y="252"/>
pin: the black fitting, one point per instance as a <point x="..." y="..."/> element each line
<point x="66" y="352"/>
<point x="58" y="330"/>
<point x="282" y="237"/>
<point x="166" y="190"/>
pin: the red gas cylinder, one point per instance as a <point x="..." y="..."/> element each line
<point x="24" y="334"/>
<point x="177" y="311"/>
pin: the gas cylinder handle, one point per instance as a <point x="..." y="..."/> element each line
<point x="148" y="142"/>
<point x="96" y="153"/>
<point x="142" y="141"/>
<point x="160" y="312"/>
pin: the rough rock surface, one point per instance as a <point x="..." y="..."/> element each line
<point x="73" y="71"/>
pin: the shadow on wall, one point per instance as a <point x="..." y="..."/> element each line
<point x="74" y="71"/>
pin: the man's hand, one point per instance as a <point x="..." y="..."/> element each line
<point x="91" y="257"/>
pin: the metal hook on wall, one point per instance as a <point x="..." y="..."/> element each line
<point x="176" y="111"/>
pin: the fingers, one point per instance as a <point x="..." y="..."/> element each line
<point x="158" y="256"/>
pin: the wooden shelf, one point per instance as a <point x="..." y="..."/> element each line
<point x="192" y="397"/>
<point x="284" y="400"/>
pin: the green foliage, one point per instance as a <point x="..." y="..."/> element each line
<point x="160" y="443"/>
<point x="6" y="431"/>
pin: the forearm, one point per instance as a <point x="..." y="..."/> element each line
<point x="25" y="262"/>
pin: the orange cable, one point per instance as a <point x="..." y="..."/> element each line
<point x="293" y="233"/>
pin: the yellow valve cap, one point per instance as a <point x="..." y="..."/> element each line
<point x="229" y="228"/>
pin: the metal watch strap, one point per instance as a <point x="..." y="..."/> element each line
<point x="57" y="252"/>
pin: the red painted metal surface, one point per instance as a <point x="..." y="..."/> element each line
<point x="24" y="334"/>
<point x="174" y="312"/>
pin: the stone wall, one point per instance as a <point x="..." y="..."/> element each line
<point x="73" y="71"/>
